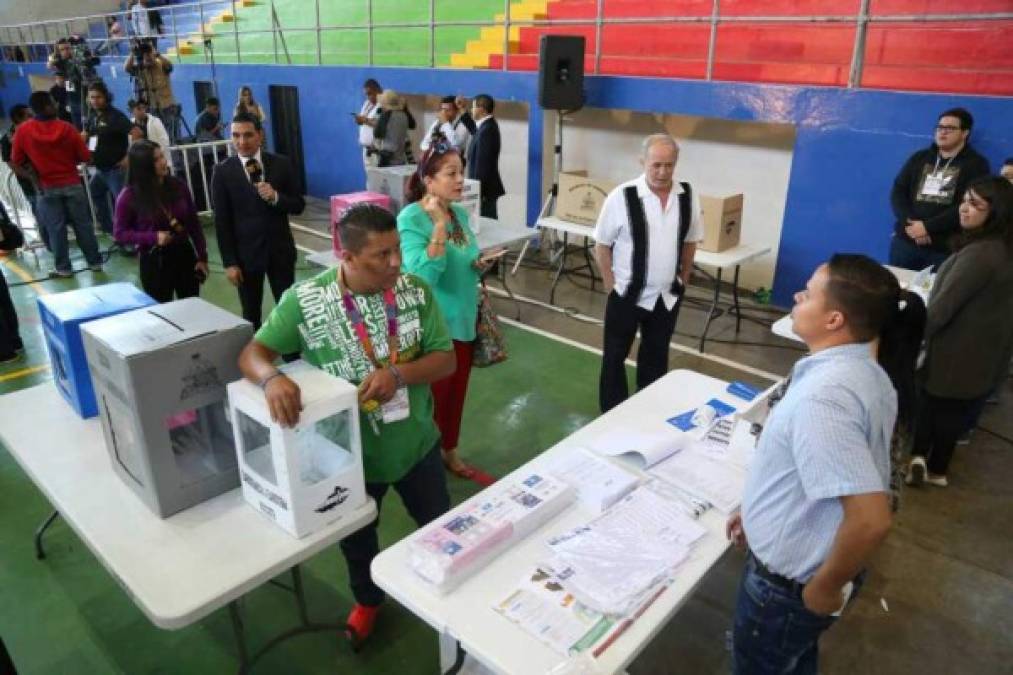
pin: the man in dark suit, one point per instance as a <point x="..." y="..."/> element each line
<point x="253" y="194"/>
<point x="483" y="154"/>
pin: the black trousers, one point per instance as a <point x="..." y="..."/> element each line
<point x="424" y="493"/>
<point x="280" y="275"/>
<point x="10" y="339"/>
<point x="168" y="271"/>
<point x="939" y="422"/>
<point x="487" y="208"/>
<point x="622" y="319"/>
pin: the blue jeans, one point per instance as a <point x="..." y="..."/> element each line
<point x="57" y="207"/>
<point x="106" y="184"/>
<point x="912" y="256"/>
<point x="774" y="631"/>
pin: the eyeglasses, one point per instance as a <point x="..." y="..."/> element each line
<point x="947" y="128"/>
<point x="441" y="148"/>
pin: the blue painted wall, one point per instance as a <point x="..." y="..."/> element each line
<point x="849" y="144"/>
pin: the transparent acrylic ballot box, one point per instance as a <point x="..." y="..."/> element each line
<point x="305" y="477"/>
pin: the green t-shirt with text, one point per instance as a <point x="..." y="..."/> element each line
<point x="311" y="319"/>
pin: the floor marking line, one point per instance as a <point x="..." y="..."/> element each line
<point x="730" y="363"/>
<point x="25" y="276"/>
<point x="24" y="371"/>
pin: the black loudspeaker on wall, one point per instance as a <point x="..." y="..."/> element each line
<point x="561" y="72"/>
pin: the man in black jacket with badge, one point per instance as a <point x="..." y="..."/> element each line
<point x="927" y="192"/>
<point x="106" y="133"/>
<point x="253" y="194"/>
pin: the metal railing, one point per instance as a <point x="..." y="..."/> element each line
<point x="35" y="40"/>
<point x="191" y="162"/>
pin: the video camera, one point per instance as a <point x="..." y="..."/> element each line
<point x="80" y="66"/>
<point x="140" y="48"/>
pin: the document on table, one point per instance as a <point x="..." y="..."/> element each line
<point x="614" y="561"/>
<point x="542" y="607"/>
<point x="719" y="482"/>
<point x="599" y="482"/>
<point x="730" y="441"/>
<point x="644" y="448"/>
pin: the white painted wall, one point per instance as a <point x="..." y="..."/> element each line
<point x="718" y="157"/>
<point x="513" y="159"/>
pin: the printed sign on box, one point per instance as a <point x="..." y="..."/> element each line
<point x="581" y="198"/>
<point x="722" y="222"/>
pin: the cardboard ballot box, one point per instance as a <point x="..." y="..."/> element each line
<point x="722" y="222"/>
<point x="62" y="316"/>
<point x="391" y="181"/>
<point x="305" y="477"/>
<point x="580" y="198"/>
<point x="341" y="203"/>
<point x="160" y="376"/>
<point x="471" y="200"/>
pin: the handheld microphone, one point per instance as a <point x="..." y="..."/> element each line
<point x="254" y="169"/>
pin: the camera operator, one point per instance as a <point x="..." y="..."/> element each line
<point x="76" y="63"/>
<point x="150" y="71"/>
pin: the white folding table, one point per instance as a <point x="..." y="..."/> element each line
<point x="465" y="618"/>
<point x="208" y="556"/>
<point x="734" y="257"/>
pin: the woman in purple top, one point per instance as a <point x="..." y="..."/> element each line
<point x="156" y="213"/>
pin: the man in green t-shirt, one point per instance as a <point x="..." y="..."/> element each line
<point x="367" y="323"/>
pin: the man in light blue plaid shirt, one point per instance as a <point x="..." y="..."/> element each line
<point x="816" y="503"/>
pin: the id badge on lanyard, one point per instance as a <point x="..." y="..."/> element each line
<point x="934" y="185"/>
<point x="398" y="407"/>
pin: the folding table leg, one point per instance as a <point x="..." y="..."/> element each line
<point x="300" y="597"/>
<point x="559" y="270"/>
<point x="39" y="553"/>
<point x="451" y="655"/>
<point x="735" y="300"/>
<point x="237" y="630"/>
<point x="587" y="259"/>
<point x="713" y="310"/>
<point x="509" y="292"/>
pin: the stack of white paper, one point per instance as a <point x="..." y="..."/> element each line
<point x="599" y="482"/>
<point x="615" y="561"/>
<point x="447" y="551"/>
<point x="697" y="472"/>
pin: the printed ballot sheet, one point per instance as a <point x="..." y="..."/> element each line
<point x="614" y="561"/>
<point x="542" y="607"/>
<point x="699" y="473"/>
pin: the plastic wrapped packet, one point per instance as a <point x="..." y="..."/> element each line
<point x="455" y="546"/>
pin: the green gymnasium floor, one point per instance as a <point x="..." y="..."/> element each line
<point x="67" y="615"/>
<point x="391" y="46"/>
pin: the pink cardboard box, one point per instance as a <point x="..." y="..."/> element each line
<point x="341" y="203"/>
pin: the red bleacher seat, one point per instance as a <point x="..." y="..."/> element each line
<point x="972" y="57"/>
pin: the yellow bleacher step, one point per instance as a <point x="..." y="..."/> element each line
<point x="491" y="33"/>
<point x="461" y="61"/>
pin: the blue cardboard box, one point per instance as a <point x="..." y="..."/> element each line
<point x="62" y="315"/>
